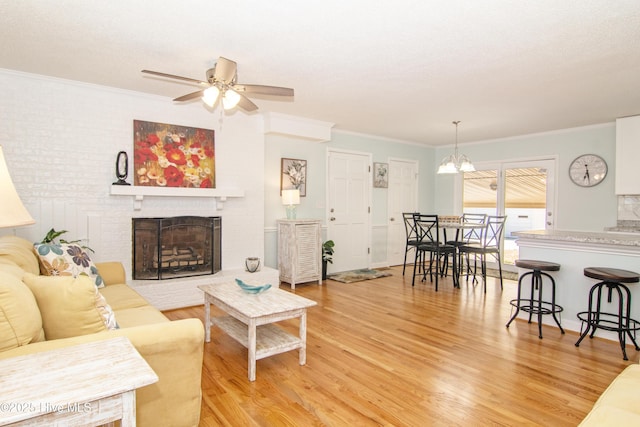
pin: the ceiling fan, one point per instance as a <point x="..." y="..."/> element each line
<point x="222" y="82"/>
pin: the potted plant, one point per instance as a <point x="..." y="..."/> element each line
<point x="327" y="256"/>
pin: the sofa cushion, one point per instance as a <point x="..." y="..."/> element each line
<point x="139" y="316"/>
<point x="112" y="272"/>
<point x="21" y="252"/>
<point x="610" y="416"/>
<point x="8" y="266"/>
<point x="623" y="391"/>
<point x="20" y="321"/>
<point x="67" y="260"/>
<point x="122" y="296"/>
<point x="70" y="306"/>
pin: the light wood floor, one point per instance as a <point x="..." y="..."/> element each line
<point x="383" y="353"/>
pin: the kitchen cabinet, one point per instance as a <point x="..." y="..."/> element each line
<point x="299" y="251"/>
<point x="627" y="155"/>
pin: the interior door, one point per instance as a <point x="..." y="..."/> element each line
<point x="402" y="196"/>
<point x="348" y="223"/>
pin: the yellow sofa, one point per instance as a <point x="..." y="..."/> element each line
<point x="619" y="405"/>
<point x="173" y="349"/>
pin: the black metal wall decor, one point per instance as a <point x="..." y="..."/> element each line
<point x="122" y="168"/>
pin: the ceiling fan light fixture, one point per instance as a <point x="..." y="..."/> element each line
<point x="230" y="99"/>
<point x="210" y="96"/>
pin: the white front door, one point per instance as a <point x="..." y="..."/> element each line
<point x="402" y="196"/>
<point x="349" y="183"/>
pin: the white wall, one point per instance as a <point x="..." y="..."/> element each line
<point x="60" y="139"/>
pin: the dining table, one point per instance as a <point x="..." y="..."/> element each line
<point x="460" y="227"/>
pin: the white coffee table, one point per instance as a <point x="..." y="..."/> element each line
<point x="250" y="320"/>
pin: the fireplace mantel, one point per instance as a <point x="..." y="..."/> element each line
<point x="140" y="192"/>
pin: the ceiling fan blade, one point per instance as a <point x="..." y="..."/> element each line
<point x="246" y="104"/>
<point x="190" y="96"/>
<point x="171" y="76"/>
<point x="225" y="70"/>
<point x="264" y="90"/>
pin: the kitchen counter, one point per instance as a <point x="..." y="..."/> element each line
<point x="605" y="238"/>
<point x="574" y="251"/>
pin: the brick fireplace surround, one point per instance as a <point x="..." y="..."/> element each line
<point x="61" y="150"/>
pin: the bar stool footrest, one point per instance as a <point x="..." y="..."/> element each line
<point x="531" y="306"/>
<point x="608" y="322"/>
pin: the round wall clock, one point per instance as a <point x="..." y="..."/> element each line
<point x="588" y="170"/>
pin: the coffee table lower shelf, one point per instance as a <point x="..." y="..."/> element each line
<point x="270" y="339"/>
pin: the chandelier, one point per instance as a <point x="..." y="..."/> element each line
<point x="455" y="162"/>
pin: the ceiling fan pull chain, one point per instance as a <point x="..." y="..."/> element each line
<point x="221" y="118"/>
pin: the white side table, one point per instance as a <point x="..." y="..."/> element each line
<point x="299" y="251"/>
<point x="86" y="384"/>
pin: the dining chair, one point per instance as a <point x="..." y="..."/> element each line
<point x="490" y="243"/>
<point x="469" y="235"/>
<point x="411" y="235"/>
<point x="428" y="232"/>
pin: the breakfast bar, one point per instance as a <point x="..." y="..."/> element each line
<point x="576" y="250"/>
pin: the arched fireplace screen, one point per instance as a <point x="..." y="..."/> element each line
<point x="168" y="248"/>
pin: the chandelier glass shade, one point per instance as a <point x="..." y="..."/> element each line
<point x="455" y="162"/>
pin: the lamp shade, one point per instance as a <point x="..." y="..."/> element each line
<point x="12" y="211"/>
<point x="291" y="197"/>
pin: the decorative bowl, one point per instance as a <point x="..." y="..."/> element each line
<point x="250" y="289"/>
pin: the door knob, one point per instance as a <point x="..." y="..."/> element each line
<point x="392" y="219"/>
<point x="332" y="219"/>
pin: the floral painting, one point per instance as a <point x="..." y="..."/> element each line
<point x="294" y="175"/>
<point x="173" y="156"/>
<point x="380" y="175"/>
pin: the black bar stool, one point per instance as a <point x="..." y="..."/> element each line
<point x="620" y="322"/>
<point x="535" y="304"/>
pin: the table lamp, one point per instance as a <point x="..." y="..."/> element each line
<point x="12" y="211"/>
<point x="291" y="198"/>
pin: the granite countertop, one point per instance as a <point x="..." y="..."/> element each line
<point x="610" y="238"/>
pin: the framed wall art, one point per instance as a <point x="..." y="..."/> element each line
<point x="168" y="155"/>
<point x="380" y="175"/>
<point x="293" y="175"/>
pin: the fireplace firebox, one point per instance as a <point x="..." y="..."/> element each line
<point x="169" y="248"/>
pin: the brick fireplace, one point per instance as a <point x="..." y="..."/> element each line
<point x="175" y="247"/>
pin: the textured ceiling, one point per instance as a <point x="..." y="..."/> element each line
<point x="402" y="70"/>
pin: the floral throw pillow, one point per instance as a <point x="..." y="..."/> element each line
<point x="67" y="260"/>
